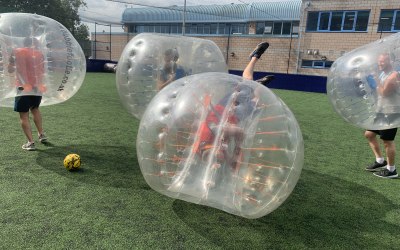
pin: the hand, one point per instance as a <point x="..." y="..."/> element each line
<point x="371" y="81"/>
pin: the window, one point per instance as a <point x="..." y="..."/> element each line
<point x="187" y="28"/>
<point x="200" y="28"/>
<point x="286" y="26"/>
<point x="316" y="64"/>
<point x="389" y="21"/>
<point x="306" y="64"/>
<point x="397" y="21"/>
<point x="277" y="28"/>
<point x="312" y="21"/>
<point x="268" y="27"/>
<point x="295" y="27"/>
<point x="139" y="29"/>
<point x="149" y="28"/>
<point x="213" y="28"/>
<point x="206" y="28"/>
<point x="349" y="20"/>
<point x="222" y="27"/>
<point x="164" y="29"/>
<point x="260" y="26"/>
<point x="238" y="28"/>
<point x="324" y="20"/>
<point x="193" y="29"/>
<point x="338" y="21"/>
<point x="362" y="20"/>
<point x="174" y="29"/>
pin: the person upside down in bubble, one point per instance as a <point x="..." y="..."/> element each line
<point x="226" y="120"/>
<point x="27" y="64"/>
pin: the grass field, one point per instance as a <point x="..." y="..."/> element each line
<point x="108" y="205"/>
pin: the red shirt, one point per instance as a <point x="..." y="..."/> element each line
<point x="206" y="135"/>
<point x="29" y="66"/>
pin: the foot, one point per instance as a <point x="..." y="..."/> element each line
<point x="259" y="50"/>
<point x="385" y="173"/>
<point x="30" y="146"/>
<point x="376" y="166"/>
<point x="265" y="80"/>
<point x="42" y="138"/>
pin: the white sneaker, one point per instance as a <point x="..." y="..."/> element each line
<point x="30" y="146"/>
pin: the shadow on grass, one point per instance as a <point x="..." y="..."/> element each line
<point x="101" y="165"/>
<point x="322" y="211"/>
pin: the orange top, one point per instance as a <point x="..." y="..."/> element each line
<point x="205" y="134"/>
<point x="29" y="66"/>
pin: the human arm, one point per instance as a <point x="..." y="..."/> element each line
<point x="11" y="64"/>
<point x="161" y="84"/>
<point x="389" y="86"/>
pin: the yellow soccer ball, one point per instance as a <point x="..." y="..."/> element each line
<point x="72" y="162"/>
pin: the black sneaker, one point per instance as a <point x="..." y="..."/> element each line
<point x="385" y="173"/>
<point x="259" y="50"/>
<point x="42" y="138"/>
<point x="375" y="166"/>
<point x="265" y="80"/>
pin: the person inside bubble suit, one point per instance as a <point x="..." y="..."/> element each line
<point x="170" y="70"/>
<point x="27" y="66"/>
<point x="244" y="102"/>
<point x="387" y="86"/>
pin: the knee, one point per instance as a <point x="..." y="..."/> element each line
<point x="389" y="144"/>
<point x="23" y="117"/>
<point x="369" y="135"/>
<point x="35" y="111"/>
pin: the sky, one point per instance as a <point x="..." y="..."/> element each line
<point x="110" y="11"/>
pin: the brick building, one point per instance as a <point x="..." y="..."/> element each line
<point x="305" y="36"/>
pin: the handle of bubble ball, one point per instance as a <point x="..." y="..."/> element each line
<point x="371" y="81"/>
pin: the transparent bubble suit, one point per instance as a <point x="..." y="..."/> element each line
<point x="143" y="58"/>
<point x="351" y="86"/>
<point x="52" y="64"/>
<point x="248" y="177"/>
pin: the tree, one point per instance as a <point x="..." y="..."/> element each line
<point x="63" y="11"/>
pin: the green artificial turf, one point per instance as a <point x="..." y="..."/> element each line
<point x="108" y="205"/>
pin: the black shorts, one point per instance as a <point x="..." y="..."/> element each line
<point x="387" y="134"/>
<point x="27" y="102"/>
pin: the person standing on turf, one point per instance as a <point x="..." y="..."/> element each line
<point x="27" y="63"/>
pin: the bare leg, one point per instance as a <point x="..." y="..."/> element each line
<point x="37" y="119"/>
<point x="390" y="149"/>
<point x="373" y="143"/>
<point x="26" y="126"/>
<point x="254" y="56"/>
<point x="249" y="70"/>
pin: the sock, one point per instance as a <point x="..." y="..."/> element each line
<point x="391" y="168"/>
<point x="380" y="160"/>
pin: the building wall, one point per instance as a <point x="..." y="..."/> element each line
<point x="329" y="45"/>
<point x="274" y="60"/>
<point x="333" y="45"/>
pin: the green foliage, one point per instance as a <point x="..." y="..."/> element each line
<point x="108" y="205"/>
<point x="63" y="11"/>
